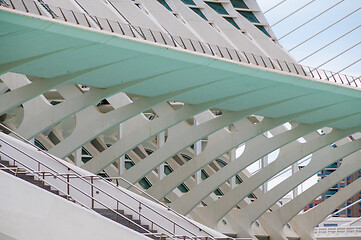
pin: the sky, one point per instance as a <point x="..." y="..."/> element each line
<point x="316" y="25"/>
<point x="313" y="27"/>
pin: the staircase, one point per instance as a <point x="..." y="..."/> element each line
<point x="144" y="215"/>
<point x="126" y="220"/>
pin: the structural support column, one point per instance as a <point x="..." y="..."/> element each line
<point x="121" y="161"/>
<point x="232" y="156"/>
<point x="78" y="162"/>
<point x="264" y="163"/>
<point x="197" y="151"/>
<point x="294" y="170"/>
<point x="161" y="141"/>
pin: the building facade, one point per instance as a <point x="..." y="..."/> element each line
<point x="162" y="93"/>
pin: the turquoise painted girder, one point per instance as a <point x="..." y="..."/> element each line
<point x="71" y="49"/>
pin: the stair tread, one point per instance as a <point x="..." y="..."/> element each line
<point x="125" y="219"/>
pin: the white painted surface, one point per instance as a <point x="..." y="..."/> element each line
<point x="28" y="212"/>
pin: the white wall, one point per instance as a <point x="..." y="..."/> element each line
<point x="28" y="212"/>
<point x="107" y="189"/>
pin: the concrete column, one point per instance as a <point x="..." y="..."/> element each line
<point x="121" y="160"/>
<point x="197" y="151"/>
<point x="77" y="158"/>
<point x="232" y="156"/>
<point x="161" y="141"/>
<point x="294" y="170"/>
<point x="264" y="163"/>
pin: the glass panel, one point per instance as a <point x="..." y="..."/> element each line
<point x="238" y="4"/>
<point x="182" y="188"/>
<point x="249" y="16"/>
<point x="144" y="183"/>
<point x="221" y="163"/>
<point x="204" y="175"/>
<point x="186" y="157"/>
<point x="199" y="12"/>
<point x="218" y="192"/>
<point x="40" y="145"/>
<point x="128" y="164"/>
<point x="231" y="21"/>
<point x="263" y="30"/>
<point x="167" y="170"/>
<point x="217" y="7"/>
<point x="163" y="2"/>
<point x="189" y="2"/>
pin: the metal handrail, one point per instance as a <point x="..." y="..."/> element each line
<point x="319" y="231"/>
<point x="122" y="30"/>
<point x="42" y="177"/>
<point x="107" y="182"/>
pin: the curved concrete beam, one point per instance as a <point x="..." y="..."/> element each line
<point x="72" y="105"/>
<point x="103" y="122"/>
<point x="146" y="131"/>
<point x="280" y="217"/>
<point x="305" y="223"/>
<point x="320" y="160"/>
<point x="254" y="150"/>
<point x="288" y="155"/>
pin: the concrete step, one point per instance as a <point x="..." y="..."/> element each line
<point x="124" y="220"/>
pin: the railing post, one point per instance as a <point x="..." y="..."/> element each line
<point x="347" y="80"/>
<point x="11" y="2"/>
<point x="184" y="46"/>
<point x="210" y="49"/>
<point x="279" y="64"/>
<point x="270" y="60"/>
<point x="220" y="51"/>
<point x="101" y="28"/>
<point x="68" y="186"/>
<point x="333" y="75"/>
<point x="140" y="208"/>
<point x="303" y="70"/>
<point x="131" y="30"/>
<point x="117" y="211"/>
<point x="38" y="9"/>
<point x="201" y="47"/>
<point x="161" y="34"/>
<point x="110" y="26"/>
<point x="92" y="190"/>
<point x="194" y="49"/>
<point x="63" y="14"/>
<point x="86" y="19"/>
<point x="237" y="55"/>
<point x="49" y="10"/>
<point x="175" y="45"/>
<point x="246" y="57"/>
<point x="255" y="59"/>
<point x="287" y="66"/>
<point x="77" y="22"/>
<point x="229" y="53"/>
<point x="43" y="179"/>
<point x="311" y="72"/>
<point x="326" y="75"/>
<point x="174" y="229"/>
<point x="143" y="35"/>
<point x="26" y="8"/>
<point x="340" y="78"/>
<point x="121" y="29"/>
<point x="295" y="68"/>
<point x="155" y="40"/>
<point x="264" y="63"/>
